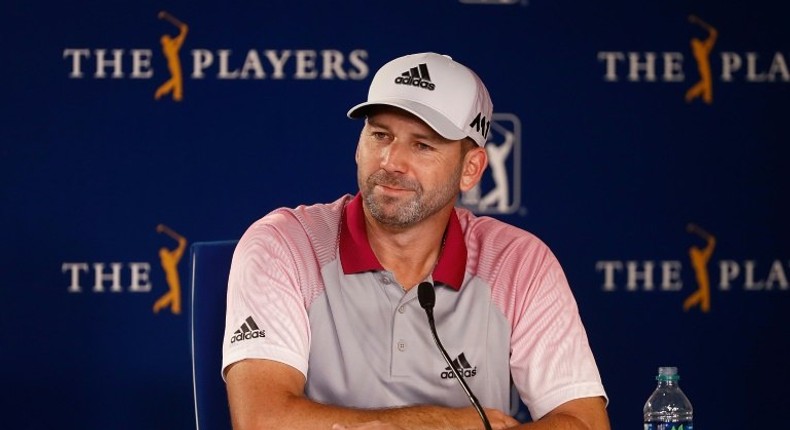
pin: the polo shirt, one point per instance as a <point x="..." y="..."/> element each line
<point x="306" y="289"/>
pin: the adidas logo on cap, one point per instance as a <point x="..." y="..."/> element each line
<point x="248" y="330"/>
<point x="463" y="367"/>
<point x="417" y="77"/>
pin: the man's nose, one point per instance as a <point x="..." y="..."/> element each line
<point x="394" y="157"/>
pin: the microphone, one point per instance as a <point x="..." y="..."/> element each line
<point x="427" y="297"/>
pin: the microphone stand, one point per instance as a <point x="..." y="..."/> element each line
<point x="427" y="297"/>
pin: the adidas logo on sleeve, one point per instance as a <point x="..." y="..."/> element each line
<point x="248" y="330"/>
<point x="416" y="77"/>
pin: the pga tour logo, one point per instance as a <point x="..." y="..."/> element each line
<point x="499" y="191"/>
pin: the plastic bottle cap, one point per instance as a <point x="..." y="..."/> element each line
<point x="667" y="374"/>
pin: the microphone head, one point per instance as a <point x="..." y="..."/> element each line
<point x="426" y="295"/>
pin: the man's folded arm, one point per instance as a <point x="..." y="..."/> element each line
<point x="265" y="394"/>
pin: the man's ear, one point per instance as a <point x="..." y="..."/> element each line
<point x="474" y="164"/>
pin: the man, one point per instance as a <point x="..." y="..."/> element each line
<point x="340" y="338"/>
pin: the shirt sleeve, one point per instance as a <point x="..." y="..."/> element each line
<point x="551" y="361"/>
<point x="266" y="314"/>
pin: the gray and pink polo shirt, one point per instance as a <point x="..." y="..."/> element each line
<point x="306" y="289"/>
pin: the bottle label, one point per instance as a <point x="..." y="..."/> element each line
<point x="670" y="426"/>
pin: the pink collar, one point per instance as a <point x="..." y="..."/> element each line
<point x="357" y="256"/>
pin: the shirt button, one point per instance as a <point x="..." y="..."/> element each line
<point x="401" y="345"/>
<point x="402" y="309"/>
<point x="385" y="280"/>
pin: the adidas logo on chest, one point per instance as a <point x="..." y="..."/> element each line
<point x="463" y="367"/>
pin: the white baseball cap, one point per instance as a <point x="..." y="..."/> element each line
<point x="447" y="95"/>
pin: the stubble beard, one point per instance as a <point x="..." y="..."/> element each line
<point x="407" y="211"/>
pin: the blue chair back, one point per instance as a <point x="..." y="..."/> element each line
<point x="210" y="266"/>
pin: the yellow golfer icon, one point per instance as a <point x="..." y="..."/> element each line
<point x="701" y="50"/>
<point x="699" y="262"/>
<point x="169" y="259"/>
<point x="170" y="48"/>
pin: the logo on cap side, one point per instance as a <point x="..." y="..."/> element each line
<point x="499" y="191"/>
<point x="480" y="124"/>
<point x="417" y="77"/>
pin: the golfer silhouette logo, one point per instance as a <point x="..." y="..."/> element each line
<point x="499" y="192"/>
<point x="170" y="48"/>
<point x="699" y="262"/>
<point x="497" y="156"/>
<point x="701" y="50"/>
<point x="169" y="259"/>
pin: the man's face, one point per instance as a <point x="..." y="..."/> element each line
<point x="405" y="170"/>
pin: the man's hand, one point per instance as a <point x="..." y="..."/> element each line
<point x="498" y="419"/>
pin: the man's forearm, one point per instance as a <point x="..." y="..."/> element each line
<point x="436" y="417"/>
<point x="580" y="414"/>
<point x="305" y="414"/>
<point x="556" y="422"/>
<point x="265" y="394"/>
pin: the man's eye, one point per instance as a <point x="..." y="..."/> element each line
<point x="423" y="146"/>
<point x="379" y="135"/>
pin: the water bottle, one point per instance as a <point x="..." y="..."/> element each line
<point x="668" y="408"/>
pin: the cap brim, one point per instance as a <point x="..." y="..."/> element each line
<point x="435" y="119"/>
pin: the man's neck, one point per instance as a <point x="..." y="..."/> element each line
<point x="409" y="253"/>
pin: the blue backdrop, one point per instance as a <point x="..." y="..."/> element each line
<point x="622" y="124"/>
